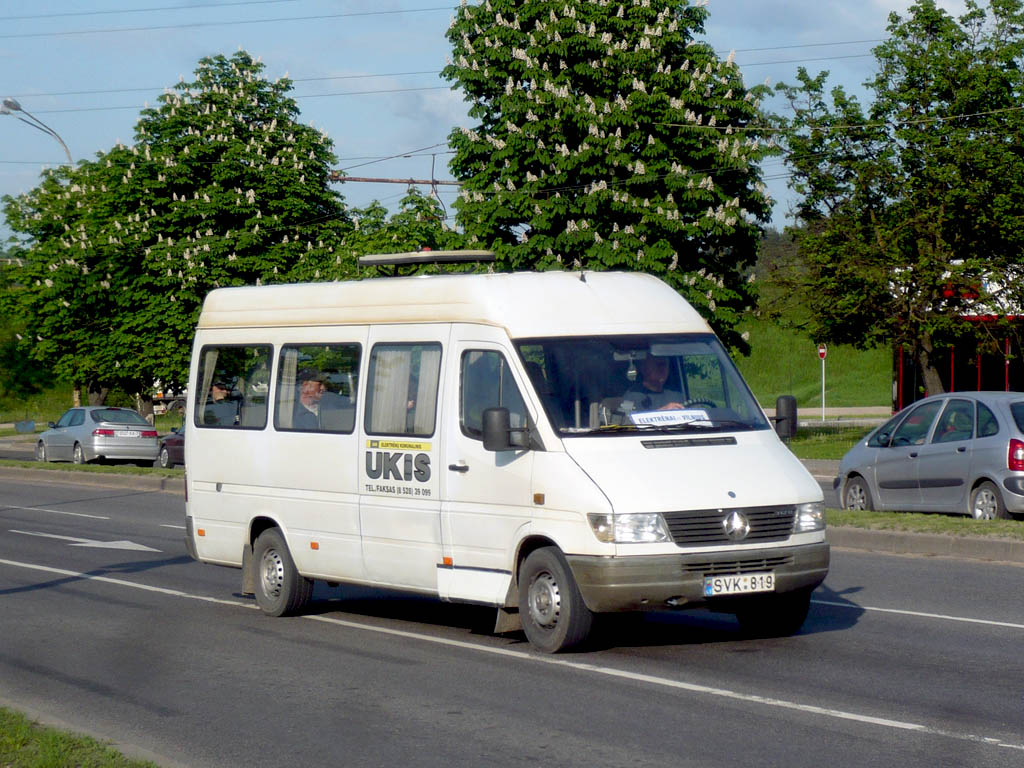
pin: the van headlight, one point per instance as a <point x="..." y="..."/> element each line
<point x="809" y="517"/>
<point x="647" y="528"/>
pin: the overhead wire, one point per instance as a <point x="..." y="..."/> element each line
<point x="201" y="24"/>
<point x="190" y="7"/>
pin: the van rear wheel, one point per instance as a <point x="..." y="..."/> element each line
<point x="551" y="608"/>
<point x="280" y="590"/>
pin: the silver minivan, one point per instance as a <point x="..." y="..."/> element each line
<point x="960" y="452"/>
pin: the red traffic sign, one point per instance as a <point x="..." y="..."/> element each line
<point x="822" y="351"/>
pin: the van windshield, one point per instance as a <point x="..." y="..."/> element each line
<point x="625" y="384"/>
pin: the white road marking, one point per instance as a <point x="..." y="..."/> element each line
<point x="176" y="527"/>
<point x="123" y="583"/>
<point x="921" y="614"/>
<point x="595" y="669"/>
<point x="77" y="542"/>
<point x="55" y="511"/>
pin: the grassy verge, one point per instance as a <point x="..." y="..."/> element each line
<point x="782" y="362"/>
<point x="25" y="744"/>
<point x="914" y="522"/>
<point x="826" y="442"/>
<point x="108" y="469"/>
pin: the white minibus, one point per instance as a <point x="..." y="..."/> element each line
<point x="556" y="445"/>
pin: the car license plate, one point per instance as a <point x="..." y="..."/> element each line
<point x="739" y="584"/>
<point x="127" y="433"/>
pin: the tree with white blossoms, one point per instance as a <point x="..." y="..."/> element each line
<point x="608" y="136"/>
<point x="222" y="187"/>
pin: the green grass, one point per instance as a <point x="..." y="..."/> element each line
<point x="43" y="407"/>
<point x="101" y="469"/>
<point x="26" y="744"/>
<point x="783" y="362"/>
<point x="914" y="522"/>
<point x="825" y="442"/>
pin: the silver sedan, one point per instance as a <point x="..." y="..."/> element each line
<point x="95" y="432"/>
<point x="961" y="452"/>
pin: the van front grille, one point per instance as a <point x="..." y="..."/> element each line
<point x="737" y="567"/>
<point x="707" y="527"/>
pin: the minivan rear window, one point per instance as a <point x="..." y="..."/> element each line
<point x="1017" y="409"/>
<point x="117" y="416"/>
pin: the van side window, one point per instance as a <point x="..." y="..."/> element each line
<point x="486" y="382"/>
<point x="316" y="388"/>
<point x="402" y="389"/>
<point x="234" y="381"/>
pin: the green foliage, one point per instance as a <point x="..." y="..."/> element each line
<point x="911" y="212"/>
<point x="607" y="137"/>
<point x="419" y="224"/>
<point x="222" y="187"/>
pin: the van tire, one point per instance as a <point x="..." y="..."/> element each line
<point x="774" y="615"/>
<point x="551" y="608"/>
<point x="280" y="590"/>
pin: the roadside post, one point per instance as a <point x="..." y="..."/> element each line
<point x="822" y="351"/>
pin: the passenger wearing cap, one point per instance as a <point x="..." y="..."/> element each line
<point x="307" y="405"/>
<point x="220" y="410"/>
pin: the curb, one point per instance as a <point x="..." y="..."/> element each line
<point x="927" y="544"/>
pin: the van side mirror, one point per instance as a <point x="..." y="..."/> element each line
<point x="499" y="434"/>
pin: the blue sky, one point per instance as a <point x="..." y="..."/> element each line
<point x="365" y="71"/>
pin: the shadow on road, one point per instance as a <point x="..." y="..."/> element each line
<point x="830" y="612"/>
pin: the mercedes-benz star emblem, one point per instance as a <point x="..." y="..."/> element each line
<point x="736" y="525"/>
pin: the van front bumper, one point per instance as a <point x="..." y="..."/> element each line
<point x="659" y="582"/>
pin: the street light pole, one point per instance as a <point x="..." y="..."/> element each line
<point x="10" y="106"/>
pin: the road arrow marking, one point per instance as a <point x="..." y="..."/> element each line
<point x="76" y="542"/>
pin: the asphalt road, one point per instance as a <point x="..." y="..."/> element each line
<point x="110" y="628"/>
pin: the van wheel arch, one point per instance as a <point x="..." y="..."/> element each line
<point x="526" y="548"/>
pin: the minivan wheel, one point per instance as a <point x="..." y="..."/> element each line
<point x="165" y="458"/>
<point x="40" y="451"/>
<point x="280" y="590"/>
<point x="551" y="608"/>
<point x="857" y="496"/>
<point x="986" y="503"/>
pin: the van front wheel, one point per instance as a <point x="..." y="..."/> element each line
<point x="280" y="590"/>
<point x="551" y="608"/>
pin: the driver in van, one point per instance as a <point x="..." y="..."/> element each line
<point x="650" y="394"/>
<point x="220" y="409"/>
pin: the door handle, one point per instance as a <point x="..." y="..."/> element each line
<point x="962" y="449"/>
<point x="912" y="455"/>
<point x="459" y="467"/>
